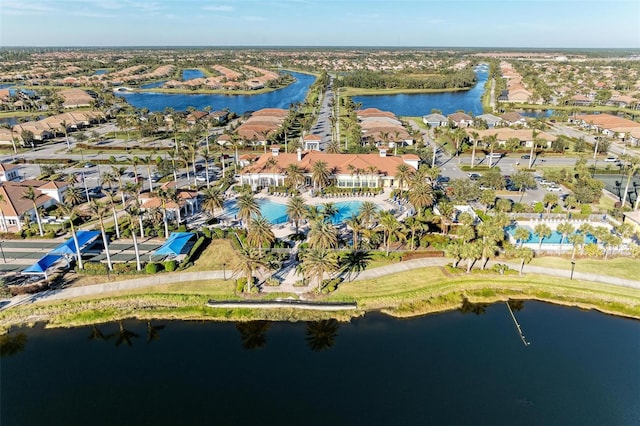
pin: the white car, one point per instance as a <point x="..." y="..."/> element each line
<point x="554" y="189"/>
<point x="610" y="160"/>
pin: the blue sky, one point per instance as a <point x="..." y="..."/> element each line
<point x="481" y="23"/>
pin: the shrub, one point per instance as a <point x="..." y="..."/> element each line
<point x="436" y="241"/>
<point x="206" y="232"/>
<point x="170" y="265"/>
<point x="330" y="285"/>
<point x="93" y="268"/>
<point x="273" y="282"/>
<point x="152" y="268"/>
<point x="585" y="209"/>
<point x="217" y="233"/>
<point x="182" y="228"/>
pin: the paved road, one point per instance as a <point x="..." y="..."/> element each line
<point x="322" y="127"/>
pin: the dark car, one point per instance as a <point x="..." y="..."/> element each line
<point x="526" y="157"/>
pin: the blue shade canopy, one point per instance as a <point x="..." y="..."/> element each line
<point x="41" y="266"/>
<point x="177" y="244"/>
<point x="69" y="246"/>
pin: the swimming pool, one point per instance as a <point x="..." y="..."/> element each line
<point x="276" y="213"/>
<point x="555" y="237"/>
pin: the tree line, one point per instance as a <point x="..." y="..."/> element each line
<point x="366" y="79"/>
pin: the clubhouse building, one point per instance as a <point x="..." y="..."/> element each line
<point x="345" y="170"/>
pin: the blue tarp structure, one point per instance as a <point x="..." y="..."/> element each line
<point x="69" y="246"/>
<point x="177" y="244"/>
<point x="41" y="266"/>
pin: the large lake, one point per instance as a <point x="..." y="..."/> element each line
<point x="282" y="98"/>
<point x="581" y="368"/>
<point x="419" y="104"/>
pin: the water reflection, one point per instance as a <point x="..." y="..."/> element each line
<point x="12" y="344"/>
<point x="125" y="336"/>
<point x="253" y="333"/>
<point x="473" y="308"/>
<point x="321" y="335"/>
<point x="97" y="334"/>
<point x="153" y="331"/>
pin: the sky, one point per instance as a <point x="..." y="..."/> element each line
<point x="422" y="23"/>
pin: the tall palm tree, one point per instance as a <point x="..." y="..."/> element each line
<point x="30" y="194"/>
<point x="247" y="207"/>
<point x="69" y="210"/>
<point x="632" y="167"/>
<point x="542" y="231"/>
<point x="247" y="261"/>
<point x="322" y="235"/>
<point x="491" y="232"/>
<point x="549" y="201"/>
<point x="294" y="175"/>
<point x="403" y="174"/>
<point x="446" y="211"/>
<point x="320" y="174"/>
<point x="368" y="212"/>
<point x="164" y="197"/>
<point x="421" y="196"/>
<point x="260" y="232"/>
<point x="521" y="234"/>
<point x="329" y="210"/>
<point x="414" y="224"/>
<point x="356" y="225"/>
<point x="134" y="221"/>
<point x="97" y="209"/>
<point x="317" y="262"/>
<point x="577" y="240"/>
<point x="565" y="228"/>
<point x="4" y="221"/>
<point x="296" y="210"/>
<point x="119" y="172"/>
<point x="148" y="162"/>
<point x="73" y="195"/>
<point x="113" y="204"/>
<point x="108" y="179"/>
<point x="472" y="252"/>
<point x="390" y="227"/>
<point x="212" y="200"/>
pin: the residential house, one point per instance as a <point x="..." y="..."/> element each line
<point x="435" y="120"/>
<point x="75" y="98"/>
<point x="311" y="142"/>
<point x="513" y="119"/>
<point x="15" y="208"/>
<point x="460" y="119"/>
<point x="491" y="120"/>
<point x="186" y="204"/>
<point x="9" y="172"/>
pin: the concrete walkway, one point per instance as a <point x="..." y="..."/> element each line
<point x="395" y="268"/>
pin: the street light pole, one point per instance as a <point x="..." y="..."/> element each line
<point x="224" y="271"/>
<point x="2" y="251"/>
<point x="573" y="266"/>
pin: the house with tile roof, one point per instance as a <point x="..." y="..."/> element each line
<point x="9" y="172"/>
<point x="14" y="208"/>
<point x="461" y="119"/>
<point x="435" y="120"/>
<point x="491" y="120"/>
<point x="346" y="170"/>
<point x="185" y="205"/>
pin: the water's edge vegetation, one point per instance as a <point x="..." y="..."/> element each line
<point x="445" y="292"/>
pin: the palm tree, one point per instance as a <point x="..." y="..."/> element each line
<point x="316" y="262"/>
<point x="70" y="211"/>
<point x="454" y="250"/>
<point x="421" y="196"/>
<point x="118" y="172"/>
<point x="97" y="209"/>
<point x="113" y="204"/>
<point x="521" y="234"/>
<point x="474" y="136"/>
<point x="212" y="200"/>
<point x="294" y="175"/>
<point x="31" y="195"/>
<point x="73" y="195"/>
<point x="329" y="210"/>
<point x="134" y="218"/>
<point x="320" y="174"/>
<point x="472" y="252"/>
<point x="322" y="235"/>
<point x="446" y="211"/>
<point x="632" y="167"/>
<point x="549" y="201"/>
<point x="4" y="221"/>
<point x="390" y="227"/>
<point x="491" y="142"/>
<point x="403" y="174"/>
<point x="248" y="260"/>
<point x="542" y="231"/>
<point x="247" y="207"/>
<point x="525" y="255"/>
<point x="368" y="212"/>
<point x="108" y="179"/>
<point x="491" y="232"/>
<point x="148" y="161"/>
<point x="260" y="232"/>
<point x="577" y="240"/>
<point x="356" y="225"/>
<point x="565" y="228"/>
<point x="414" y="224"/>
<point x="296" y="210"/>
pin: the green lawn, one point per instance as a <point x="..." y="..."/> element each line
<point x="621" y="267"/>
<point x="217" y="253"/>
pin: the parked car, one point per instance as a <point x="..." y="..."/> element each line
<point x="610" y="159"/>
<point x="495" y="156"/>
<point x="554" y="189"/>
<point x="88" y="165"/>
<point x="526" y="157"/>
<point x="474" y="176"/>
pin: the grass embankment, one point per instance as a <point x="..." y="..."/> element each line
<point x="621" y="267"/>
<point x="411" y="293"/>
<point x="599" y="108"/>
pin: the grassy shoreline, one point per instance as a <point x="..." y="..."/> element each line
<point x="354" y="91"/>
<point x="413" y="293"/>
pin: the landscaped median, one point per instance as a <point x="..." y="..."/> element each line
<point x="411" y="293"/>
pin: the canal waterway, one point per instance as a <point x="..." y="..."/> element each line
<point x="581" y="368"/>
<point x="281" y="98"/>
